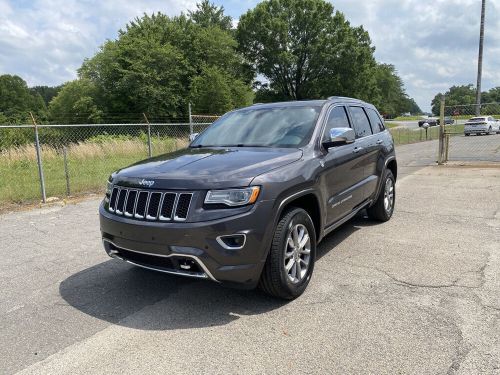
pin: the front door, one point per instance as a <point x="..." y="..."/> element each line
<point x="343" y="170"/>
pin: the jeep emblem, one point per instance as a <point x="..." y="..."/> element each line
<point x="147" y="183"/>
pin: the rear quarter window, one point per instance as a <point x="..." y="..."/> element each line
<point x="375" y="120"/>
<point x="361" y="124"/>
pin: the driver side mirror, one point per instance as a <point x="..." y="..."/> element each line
<point x="193" y="136"/>
<point x="340" y="137"/>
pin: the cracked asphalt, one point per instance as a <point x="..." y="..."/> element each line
<point x="417" y="295"/>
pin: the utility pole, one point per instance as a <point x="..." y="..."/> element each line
<point x="480" y="60"/>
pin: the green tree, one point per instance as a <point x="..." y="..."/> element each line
<point x="46" y="92"/>
<point x="208" y="14"/>
<point x="75" y="104"/>
<point x="306" y="50"/>
<point x="151" y="66"/>
<point x="456" y="95"/>
<point x="214" y="92"/>
<point x="16" y="100"/>
<point x="389" y="95"/>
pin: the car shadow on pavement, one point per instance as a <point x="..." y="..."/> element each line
<point x="126" y="295"/>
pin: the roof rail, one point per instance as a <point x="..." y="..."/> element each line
<point x="344" y="98"/>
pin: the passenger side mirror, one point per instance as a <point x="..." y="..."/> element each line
<point x="340" y="137"/>
<point x="193" y="136"/>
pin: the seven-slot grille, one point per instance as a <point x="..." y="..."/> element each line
<point x="149" y="205"/>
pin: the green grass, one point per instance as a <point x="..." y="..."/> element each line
<point x="390" y="124"/>
<point x="89" y="166"/>
<point x="403" y="136"/>
<point x="406" y="118"/>
<point x="91" y="163"/>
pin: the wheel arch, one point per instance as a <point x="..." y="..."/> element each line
<point x="309" y="202"/>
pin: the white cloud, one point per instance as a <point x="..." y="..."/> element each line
<point x="432" y="43"/>
<point x="46" y="41"/>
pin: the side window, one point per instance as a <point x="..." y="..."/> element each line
<point x="336" y="119"/>
<point x="375" y="120"/>
<point x="361" y="124"/>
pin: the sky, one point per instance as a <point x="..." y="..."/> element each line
<point x="432" y="43"/>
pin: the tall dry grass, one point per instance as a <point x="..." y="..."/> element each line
<point x="90" y="150"/>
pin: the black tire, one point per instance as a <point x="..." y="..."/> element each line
<point x="275" y="280"/>
<point x="467" y="134"/>
<point x="378" y="210"/>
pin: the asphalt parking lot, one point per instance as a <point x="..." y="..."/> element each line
<point x="417" y="295"/>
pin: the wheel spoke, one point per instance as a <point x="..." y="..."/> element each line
<point x="290" y="243"/>
<point x="289" y="265"/>
<point x="303" y="241"/>
<point x="295" y="234"/>
<point x="298" y="270"/>
<point x="305" y="251"/>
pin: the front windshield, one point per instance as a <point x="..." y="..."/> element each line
<point x="290" y="126"/>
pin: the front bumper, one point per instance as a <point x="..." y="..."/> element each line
<point x="192" y="249"/>
<point x="476" y="130"/>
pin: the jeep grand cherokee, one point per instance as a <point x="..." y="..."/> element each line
<point x="251" y="197"/>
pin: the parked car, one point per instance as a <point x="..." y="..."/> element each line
<point x="431" y="121"/>
<point x="251" y="197"/>
<point x="482" y="125"/>
<point x="447" y="121"/>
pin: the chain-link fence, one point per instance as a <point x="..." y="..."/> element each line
<point x="54" y="160"/>
<point x="474" y="135"/>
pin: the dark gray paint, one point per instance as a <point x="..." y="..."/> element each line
<point x="343" y="180"/>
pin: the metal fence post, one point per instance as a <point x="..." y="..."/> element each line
<point x="441" y="133"/>
<point x="190" y="120"/>
<point x="39" y="160"/>
<point x="150" y="148"/>
<point x="66" y="170"/>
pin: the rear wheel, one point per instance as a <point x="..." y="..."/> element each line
<point x="290" y="263"/>
<point x="384" y="206"/>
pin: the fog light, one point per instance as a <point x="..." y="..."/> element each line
<point x="232" y="242"/>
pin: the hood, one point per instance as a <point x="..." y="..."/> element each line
<point x="206" y="168"/>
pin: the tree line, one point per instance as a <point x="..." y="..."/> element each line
<point x="280" y="50"/>
<point x="465" y="97"/>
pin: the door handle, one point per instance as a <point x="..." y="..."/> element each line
<point x="357" y="149"/>
<point x="380" y="141"/>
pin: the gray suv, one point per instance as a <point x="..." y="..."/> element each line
<point x="251" y="197"/>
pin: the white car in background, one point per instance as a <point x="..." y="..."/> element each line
<point x="482" y="125"/>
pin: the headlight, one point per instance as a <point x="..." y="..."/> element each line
<point x="233" y="197"/>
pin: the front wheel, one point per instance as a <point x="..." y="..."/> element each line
<point x="290" y="262"/>
<point x="383" y="207"/>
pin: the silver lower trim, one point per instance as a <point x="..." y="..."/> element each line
<point x="223" y="244"/>
<point x="207" y="274"/>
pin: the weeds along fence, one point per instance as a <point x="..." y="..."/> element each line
<point x="56" y="160"/>
<point x="404" y="135"/>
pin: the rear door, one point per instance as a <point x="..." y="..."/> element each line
<point x="369" y="150"/>
<point x="376" y="143"/>
<point x="342" y="171"/>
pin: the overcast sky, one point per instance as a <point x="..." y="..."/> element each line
<point x="432" y="43"/>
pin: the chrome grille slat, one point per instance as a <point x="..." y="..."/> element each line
<point x="149" y="205"/>
<point x="182" y="207"/>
